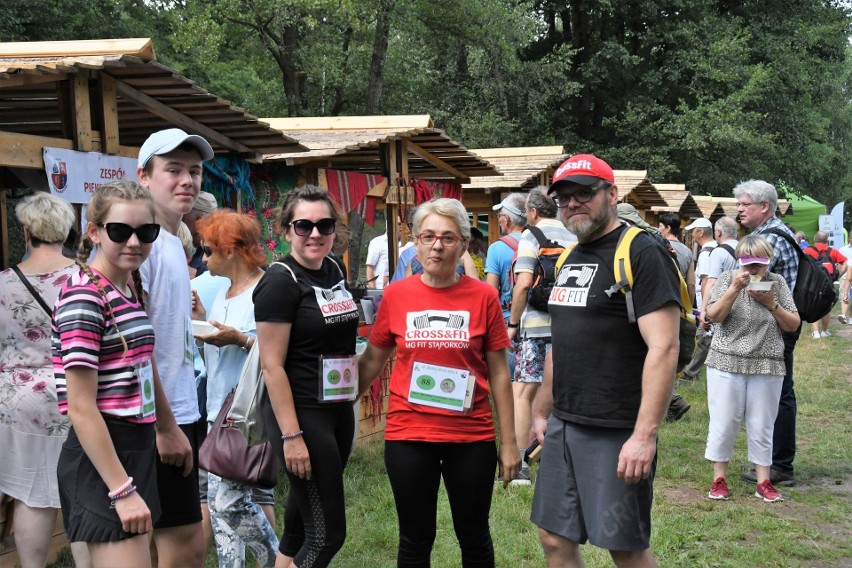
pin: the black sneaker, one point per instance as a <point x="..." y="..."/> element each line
<point x="776" y="477"/>
<point x="677" y="408"/>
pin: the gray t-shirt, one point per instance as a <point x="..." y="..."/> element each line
<point x="721" y="260"/>
<point x="684" y="256"/>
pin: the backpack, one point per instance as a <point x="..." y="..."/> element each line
<point x="729" y="249"/>
<point x="512" y="243"/>
<point x="624" y="283"/>
<point x="824" y="258"/>
<point x="549" y="253"/>
<point x="814" y="294"/>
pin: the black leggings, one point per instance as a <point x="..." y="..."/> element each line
<point x="315" y="513"/>
<point x="415" y="470"/>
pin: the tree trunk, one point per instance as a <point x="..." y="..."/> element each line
<point x="377" y="64"/>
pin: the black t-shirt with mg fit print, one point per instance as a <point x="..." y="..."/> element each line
<point x="323" y="315"/>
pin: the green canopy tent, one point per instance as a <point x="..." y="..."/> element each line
<point x="805" y="217"/>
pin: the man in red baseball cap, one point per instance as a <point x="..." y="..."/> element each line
<point x="607" y="382"/>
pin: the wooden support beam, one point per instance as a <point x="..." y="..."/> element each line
<point x="25" y="150"/>
<point x="82" y="118"/>
<point x="109" y="110"/>
<point x="26" y="80"/>
<point x="437" y="162"/>
<point x="181" y="120"/>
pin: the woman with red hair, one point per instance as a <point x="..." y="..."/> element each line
<point x="231" y="245"/>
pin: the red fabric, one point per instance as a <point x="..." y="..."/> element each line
<point x="481" y="330"/>
<point x="429" y="190"/>
<point x="349" y="190"/>
<point x="815" y="249"/>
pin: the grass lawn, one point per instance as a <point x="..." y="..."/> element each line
<point x="812" y="527"/>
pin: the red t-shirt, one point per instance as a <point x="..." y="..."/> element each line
<point x="815" y="249"/>
<point x="453" y="327"/>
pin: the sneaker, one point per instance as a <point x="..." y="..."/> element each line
<point x="776" y="476"/>
<point x="842" y="319"/>
<point x="719" y="490"/>
<point x="523" y="477"/>
<point x="825" y="333"/>
<point x="677" y="408"/>
<point x="815" y="335"/>
<point x="768" y="493"/>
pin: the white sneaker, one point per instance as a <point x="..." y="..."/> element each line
<point x="815" y="335"/>
<point x="825" y="333"/>
<point x="842" y="319"/>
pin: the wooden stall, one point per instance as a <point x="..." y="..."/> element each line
<point x="101" y="96"/>
<point x="398" y="148"/>
<point x="710" y="207"/>
<point x="635" y="188"/>
<point x="522" y="168"/>
<point x="105" y="96"/>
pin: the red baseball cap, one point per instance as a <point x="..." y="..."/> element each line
<point x="582" y="169"/>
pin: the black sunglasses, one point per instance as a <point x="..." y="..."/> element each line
<point x="121" y="232"/>
<point x="207" y="250"/>
<point x="304" y="228"/>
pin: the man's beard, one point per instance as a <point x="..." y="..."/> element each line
<point x="589" y="225"/>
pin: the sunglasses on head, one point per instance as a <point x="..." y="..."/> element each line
<point x="304" y="228"/>
<point x="121" y="232"/>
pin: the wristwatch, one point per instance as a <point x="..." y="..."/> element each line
<point x="512" y="325"/>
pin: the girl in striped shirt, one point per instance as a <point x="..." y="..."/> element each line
<point x="108" y="384"/>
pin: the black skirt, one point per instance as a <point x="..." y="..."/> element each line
<point x="83" y="495"/>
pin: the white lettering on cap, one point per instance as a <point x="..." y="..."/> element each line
<point x="578" y="165"/>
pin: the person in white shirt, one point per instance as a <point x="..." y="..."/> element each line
<point x="702" y="234"/>
<point x="377" y="262"/>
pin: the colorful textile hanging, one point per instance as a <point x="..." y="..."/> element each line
<point x="429" y="190"/>
<point x="224" y="177"/>
<point x="349" y="190"/>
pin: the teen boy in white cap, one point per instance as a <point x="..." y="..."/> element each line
<point x="609" y="383"/>
<point x="170" y="167"/>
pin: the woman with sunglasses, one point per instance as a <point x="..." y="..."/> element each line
<point x="230" y="245"/>
<point x="306" y="327"/>
<point x="108" y="384"/>
<point x="450" y="343"/>
<point x="745" y="366"/>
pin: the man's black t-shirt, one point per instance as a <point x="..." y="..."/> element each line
<point x="598" y="355"/>
<point x="323" y="315"/>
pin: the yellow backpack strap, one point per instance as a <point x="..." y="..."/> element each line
<point x="685" y="304"/>
<point x="623" y="271"/>
<point x="561" y="260"/>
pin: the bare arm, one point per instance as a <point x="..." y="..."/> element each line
<point x="543" y="403"/>
<point x="659" y="330"/>
<point x="370" y="364"/>
<point x="274" y="340"/>
<point x="371" y="276"/>
<point x="721" y="309"/>
<point x="523" y="281"/>
<point x="493" y="280"/>
<point x="501" y="392"/>
<point x="96" y="441"/>
<point x="172" y="444"/>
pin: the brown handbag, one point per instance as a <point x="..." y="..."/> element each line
<point x="226" y="453"/>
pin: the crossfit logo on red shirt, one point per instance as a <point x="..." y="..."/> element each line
<point x="437" y="329"/>
<point x="572" y="285"/>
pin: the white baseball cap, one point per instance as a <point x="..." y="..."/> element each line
<point x="165" y="141"/>
<point x="700" y="223"/>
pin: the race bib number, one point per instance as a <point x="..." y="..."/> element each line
<point x="441" y="387"/>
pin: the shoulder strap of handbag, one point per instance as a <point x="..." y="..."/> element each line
<point x="33" y="291"/>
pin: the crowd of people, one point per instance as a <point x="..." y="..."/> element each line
<point x="103" y="374"/>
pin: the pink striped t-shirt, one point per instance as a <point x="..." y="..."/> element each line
<point x="83" y="335"/>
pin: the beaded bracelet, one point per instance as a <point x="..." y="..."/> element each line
<point x="122" y="495"/>
<point x="121" y="489"/>
<point x="293" y="435"/>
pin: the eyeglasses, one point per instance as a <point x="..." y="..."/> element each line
<point x="580" y="196"/>
<point x="207" y="250"/>
<point x="429" y="239"/>
<point x="304" y="228"/>
<point x="741" y="205"/>
<point x="121" y="232"/>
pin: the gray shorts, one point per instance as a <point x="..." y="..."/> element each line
<point x="578" y="494"/>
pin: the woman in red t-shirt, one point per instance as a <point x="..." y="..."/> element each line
<point x="450" y="341"/>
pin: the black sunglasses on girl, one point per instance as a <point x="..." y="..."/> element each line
<point x="304" y="228"/>
<point x="120" y="232"/>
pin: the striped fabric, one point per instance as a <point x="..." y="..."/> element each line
<point x="82" y="337"/>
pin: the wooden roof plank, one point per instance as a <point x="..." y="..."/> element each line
<point x="141" y="47"/>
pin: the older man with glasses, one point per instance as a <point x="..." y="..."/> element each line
<point x="607" y="382"/>
<point x="757" y="201"/>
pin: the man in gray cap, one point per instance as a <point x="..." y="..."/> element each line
<point x="170" y="167"/>
<point x="204" y="206"/>
<point x="498" y="261"/>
